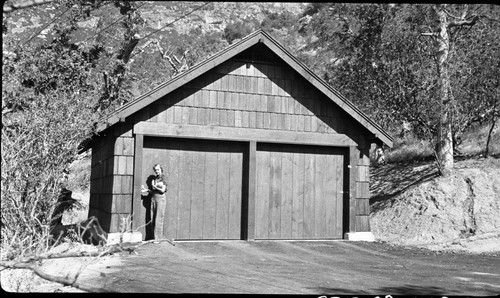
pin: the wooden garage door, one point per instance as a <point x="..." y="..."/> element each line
<point x="299" y="192"/>
<point x="204" y="186"/>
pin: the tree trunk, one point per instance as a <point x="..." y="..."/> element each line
<point x="444" y="135"/>
<point x="490" y="132"/>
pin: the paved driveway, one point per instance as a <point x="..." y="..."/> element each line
<point x="278" y="267"/>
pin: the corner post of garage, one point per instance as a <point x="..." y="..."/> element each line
<point x="250" y="206"/>
<point x="353" y="166"/>
<point x="136" y="197"/>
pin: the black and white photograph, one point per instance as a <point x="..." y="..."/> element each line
<point x="263" y="148"/>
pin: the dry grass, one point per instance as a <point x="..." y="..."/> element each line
<point x="79" y="177"/>
<point x="411" y="148"/>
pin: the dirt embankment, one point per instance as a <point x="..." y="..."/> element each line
<point x="460" y="212"/>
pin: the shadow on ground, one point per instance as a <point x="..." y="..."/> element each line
<point x="414" y="290"/>
<point x="389" y="180"/>
<point x="400" y="290"/>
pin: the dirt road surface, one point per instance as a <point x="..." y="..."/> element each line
<point x="323" y="267"/>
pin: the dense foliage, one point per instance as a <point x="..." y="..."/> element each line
<point x="385" y="59"/>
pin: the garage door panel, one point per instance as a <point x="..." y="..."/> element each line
<point x="204" y="194"/>
<point x="302" y="192"/>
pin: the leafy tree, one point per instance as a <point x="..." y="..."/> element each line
<point x="239" y="29"/>
<point x="50" y="96"/>
<point x="275" y="20"/>
<point x="385" y="62"/>
<point x="47" y="101"/>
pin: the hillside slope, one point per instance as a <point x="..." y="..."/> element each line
<point x="459" y="212"/>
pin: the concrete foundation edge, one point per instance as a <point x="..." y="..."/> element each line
<point x="114" y="238"/>
<point x="360" y="236"/>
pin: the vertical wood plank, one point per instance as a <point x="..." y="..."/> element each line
<point x="270" y="104"/>
<point x="184" y="199"/>
<point x="245" y="118"/>
<point x="222" y="213"/>
<point x="287" y="121"/>
<point x="353" y="161"/>
<point x="212" y="99"/>
<point x="268" y="87"/>
<point x="223" y="117"/>
<point x="262" y="194"/>
<point x="227" y="100"/>
<point x="331" y="196"/>
<point x="267" y="121"/>
<point x="293" y="122"/>
<point x="193" y="115"/>
<point x="261" y="84"/>
<point x="172" y="173"/>
<point x="307" y="123"/>
<point x="177" y="114"/>
<point x="309" y="192"/>
<point x="225" y="81"/>
<point x="210" y="192"/>
<point x="340" y="194"/>
<point x="184" y="115"/>
<point x="230" y="118"/>
<point x="275" y="195"/>
<point x="235" y="186"/>
<point x="298" y="195"/>
<point x="237" y="119"/>
<point x="286" y="194"/>
<point x="274" y="121"/>
<point x="252" y="190"/>
<point x="137" y="211"/>
<point x="319" y="202"/>
<point x="250" y="101"/>
<point x="247" y="84"/>
<point x="215" y="117"/>
<point x="220" y="100"/>
<point x="252" y="119"/>
<point x="259" y="120"/>
<point x="169" y="115"/>
<point x="197" y="192"/>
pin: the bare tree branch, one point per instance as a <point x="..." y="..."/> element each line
<point x="30" y="263"/>
<point x="61" y="280"/>
<point x="461" y="23"/>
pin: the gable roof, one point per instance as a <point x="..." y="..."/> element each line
<point x="259" y="36"/>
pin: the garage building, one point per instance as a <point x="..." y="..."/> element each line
<point x="254" y="145"/>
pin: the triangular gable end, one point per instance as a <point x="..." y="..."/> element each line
<point x="228" y="53"/>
